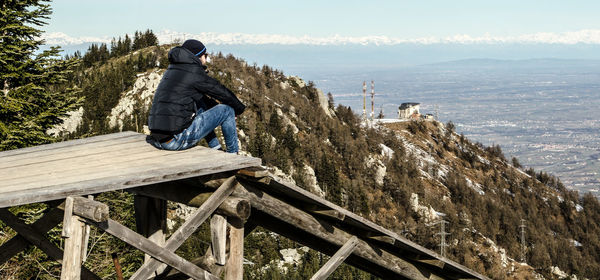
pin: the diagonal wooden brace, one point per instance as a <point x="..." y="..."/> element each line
<point x="20" y="243"/>
<point x="157" y="252"/>
<point x="38" y="239"/>
<point x="189" y="227"/>
<point x="337" y="259"/>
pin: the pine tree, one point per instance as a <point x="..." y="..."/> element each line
<point x="34" y="93"/>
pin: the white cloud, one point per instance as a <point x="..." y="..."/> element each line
<point x="588" y="36"/>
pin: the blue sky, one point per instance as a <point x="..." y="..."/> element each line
<point x="398" y="19"/>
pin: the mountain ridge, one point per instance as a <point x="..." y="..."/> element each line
<point x="430" y="170"/>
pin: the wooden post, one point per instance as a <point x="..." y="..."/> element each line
<point x="234" y="269"/>
<point x="218" y="233"/>
<point x="151" y="222"/>
<point x="86" y="237"/>
<point x="337" y="259"/>
<point x="73" y="229"/>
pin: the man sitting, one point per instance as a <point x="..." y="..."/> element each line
<point x="188" y="104"/>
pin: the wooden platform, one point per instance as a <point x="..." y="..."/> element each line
<point x="100" y="164"/>
<point x="233" y="191"/>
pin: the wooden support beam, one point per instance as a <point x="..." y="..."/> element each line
<point x="87" y="208"/>
<point x="73" y="230"/>
<point x="195" y="195"/>
<point x="234" y="269"/>
<point x="37" y="238"/>
<point x="190" y="226"/>
<point x="331" y="213"/>
<point x="19" y="243"/>
<point x="254" y="171"/>
<point x="207" y="261"/>
<point x="218" y="234"/>
<point x="163" y="255"/>
<point x="151" y="222"/>
<point x="337" y="259"/>
<point x="298" y="225"/>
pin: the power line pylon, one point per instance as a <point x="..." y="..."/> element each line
<point x="523" y="242"/>
<point x="442" y="235"/>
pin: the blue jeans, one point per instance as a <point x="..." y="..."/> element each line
<point x="203" y="126"/>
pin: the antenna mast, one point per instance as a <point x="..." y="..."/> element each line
<point x="364" y="100"/>
<point x="372" y="99"/>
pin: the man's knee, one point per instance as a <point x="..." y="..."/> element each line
<point x="226" y="109"/>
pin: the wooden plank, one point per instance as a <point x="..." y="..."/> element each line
<point x="159" y="173"/>
<point x="189" y="226"/>
<point x="218" y="234"/>
<point x="38" y="239"/>
<point x="72" y="152"/>
<point x="151" y="221"/>
<point x="6" y="155"/>
<point x="18" y="243"/>
<point x="72" y="258"/>
<point x="96" y="164"/>
<point x="337" y="259"/>
<point x="136" y="240"/>
<point x="234" y="269"/>
<point x="128" y="164"/>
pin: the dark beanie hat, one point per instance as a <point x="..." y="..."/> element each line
<point x="195" y="46"/>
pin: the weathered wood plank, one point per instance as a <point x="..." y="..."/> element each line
<point x="153" y="173"/>
<point x="218" y="234"/>
<point x="128" y="164"/>
<point x="189" y="226"/>
<point x="234" y="269"/>
<point x="53" y="147"/>
<point x="98" y="148"/>
<point x="134" y="239"/>
<point x="337" y="259"/>
<point x="97" y="165"/>
<point x="38" y="239"/>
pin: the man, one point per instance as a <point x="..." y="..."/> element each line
<point x="188" y="104"/>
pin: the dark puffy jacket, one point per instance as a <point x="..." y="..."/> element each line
<point x="182" y="91"/>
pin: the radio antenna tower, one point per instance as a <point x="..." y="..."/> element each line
<point x="523" y="244"/>
<point x="437" y="109"/>
<point x="364" y="100"/>
<point x="442" y="235"/>
<point x="372" y="99"/>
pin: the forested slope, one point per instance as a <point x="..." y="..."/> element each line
<point x="403" y="176"/>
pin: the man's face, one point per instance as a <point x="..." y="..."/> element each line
<point x="204" y="58"/>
